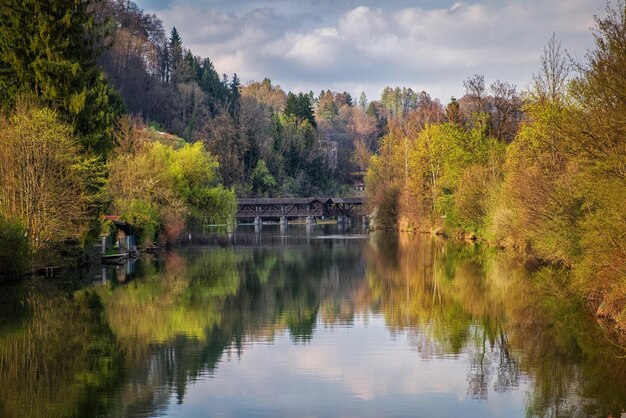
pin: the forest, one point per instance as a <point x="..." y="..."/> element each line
<point x="542" y="172"/>
<point x="103" y="110"/>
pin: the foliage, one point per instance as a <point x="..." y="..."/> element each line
<point x="553" y="187"/>
<point x="299" y="107"/>
<point x="565" y="188"/>
<point x="49" y="49"/>
<point x="14" y="251"/>
<point x="41" y="170"/>
<point x="435" y="170"/>
<point x="264" y="92"/>
<point x="597" y="126"/>
<point x="161" y="189"/>
<point x="82" y="359"/>
<point x="262" y="181"/>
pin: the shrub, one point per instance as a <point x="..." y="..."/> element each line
<point x="14" y="252"/>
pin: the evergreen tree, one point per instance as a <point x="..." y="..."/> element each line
<point x="49" y="48"/>
<point x="176" y="52"/>
<point x="46" y="48"/>
<point x="363" y="101"/>
<point x="210" y="82"/>
<point x="235" y="96"/>
<point x="188" y="69"/>
<point x="300" y="107"/>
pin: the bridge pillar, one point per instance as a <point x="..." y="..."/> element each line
<point x="310" y="220"/>
<point x="258" y="224"/>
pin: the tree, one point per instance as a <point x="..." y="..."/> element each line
<point x="549" y="84"/>
<point x="363" y="101"/>
<point x="540" y="204"/>
<point x="300" y="107"/>
<point x="14" y="251"/>
<point x="264" y="92"/>
<point x="234" y="97"/>
<point x="255" y="127"/>
<point x="262" y="182"/>
<point x="475" y="92"/>
<point x="221" y="137"/>
<point x="49" y="49"/>
<point x="507" y="109"/>
<point x="453" y="112"/>
<point x="176" y="52"/>
<point x="190" y="110"/>
<point x="162" y="190"/>
<point x="596" y="126"/>
<point x="327" y="109"/>
<point x="41" y="182"/>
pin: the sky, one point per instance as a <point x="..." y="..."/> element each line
<point x="365" y="45"/>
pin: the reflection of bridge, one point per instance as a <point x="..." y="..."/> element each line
<point x="308" y="207"/>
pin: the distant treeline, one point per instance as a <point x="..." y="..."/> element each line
<point x="266" y="140"/>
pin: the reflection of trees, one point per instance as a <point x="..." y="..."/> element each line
<point x="464" y="301"/>
<point x="175" y="325"/>
<point x="185" y="312"/>
<point x="438" y="293"/>
<point x="576" y="370"/>
<point x="60" y="357"/>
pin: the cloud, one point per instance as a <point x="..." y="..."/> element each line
<point x="352" y="45"/>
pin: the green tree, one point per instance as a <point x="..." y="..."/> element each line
<point x="262" y="182"/>
<point x="596" y="128"/>
<point x="234" y="88"/>
<point x="14" y="251"/>
<point x="300" y="107"/>
<point x="176" y="52"/>
<point x="162" y="190"/>
<point x="327" y="109"/>
<point x="41" y="178"/>
<point x="49" y="49"/>
<point x="363" y="101"/>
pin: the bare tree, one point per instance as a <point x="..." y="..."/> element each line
<point x="550" y="82"/>
<point x="476" y="93"/>
<point x="507" y="104"/>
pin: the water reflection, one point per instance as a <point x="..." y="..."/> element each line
<point x="307" y="320"/>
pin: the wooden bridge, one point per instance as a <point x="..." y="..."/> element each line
<point x="311" y="207"/>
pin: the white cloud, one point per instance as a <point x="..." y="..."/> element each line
<point x="432" y="49"/>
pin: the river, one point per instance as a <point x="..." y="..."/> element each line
<point x="307" y="323"/>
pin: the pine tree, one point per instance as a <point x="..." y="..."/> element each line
<point x="300" y="107"/>
<point x="235" y="96"/>
<point x="48" y="48"/>
<point x="363" y="101"/>
<point x="175" y="54"/>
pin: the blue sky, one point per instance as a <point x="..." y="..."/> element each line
<point x="366" y="45"/>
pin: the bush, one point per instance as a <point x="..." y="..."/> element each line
<point x="14" y="252"/>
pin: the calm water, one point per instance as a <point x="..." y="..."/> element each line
<point x="307" y="325"/>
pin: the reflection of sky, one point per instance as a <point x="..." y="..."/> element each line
<point x="357" y="371"/>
